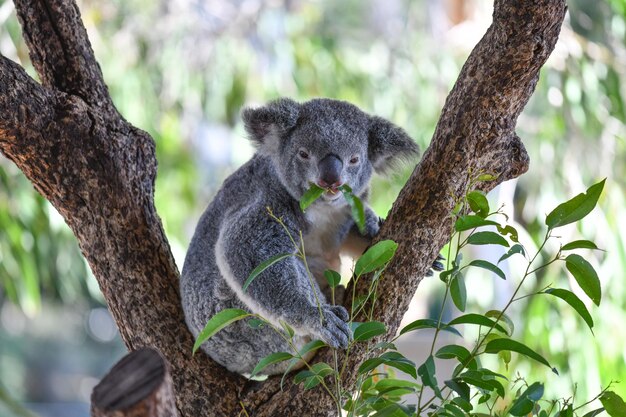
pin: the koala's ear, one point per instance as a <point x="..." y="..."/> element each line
<point x="266" y="124"/>
<point x="388" y="144"/>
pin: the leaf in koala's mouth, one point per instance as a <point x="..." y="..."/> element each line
<point x="312" y="194"/>
<point x="356" y="207"/>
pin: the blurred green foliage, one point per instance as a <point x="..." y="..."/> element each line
<point x="182" y="70"/>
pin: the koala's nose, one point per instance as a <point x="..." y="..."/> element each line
<point x="330" y="171"/>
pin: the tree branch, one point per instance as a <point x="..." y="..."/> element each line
<point x="60" y="49"/>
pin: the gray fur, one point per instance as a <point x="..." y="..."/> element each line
<point x="235" y="233"/>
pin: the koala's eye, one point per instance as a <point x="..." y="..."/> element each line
<point x="303" y="154"/>
<point x="354" y="160"/>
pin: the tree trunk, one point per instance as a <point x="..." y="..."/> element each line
<point x="139" y="385"/>
<point x="98" y="171"/>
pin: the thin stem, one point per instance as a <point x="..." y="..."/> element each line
<point x="297" y="354"/>
<point x="310" y="277"/>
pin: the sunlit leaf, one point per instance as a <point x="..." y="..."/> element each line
<point x="217" y="323"/>
<point x="375" y="257"/>
<point x="312" y="194"/>
<point x="585" y="276"/>
<point x="509" y="230"/>
<point x="263" y="266"/>
<point x="576" y="208"/>
<point x="478" y="203"/>
<point x="613" y="404"/>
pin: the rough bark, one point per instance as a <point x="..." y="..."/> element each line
<point x="139" y="385"/>
<point x="99" y="171"/>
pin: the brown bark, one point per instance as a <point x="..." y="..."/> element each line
<point x="139" y="385"/>
<point x="99" y="171"/>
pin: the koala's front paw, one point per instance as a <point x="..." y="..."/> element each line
<point x="436" y="266"/>
<point x="335" y="330"/>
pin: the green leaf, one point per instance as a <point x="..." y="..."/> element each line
<point x="456" y="352"/>
<point x="312" y="194"/>
<point x="486" y="177"/>
<point x="460" y="387"/>
<point x="576" y="208"/>
<point x="271" y="359"/>
<point x="571" y="299"/>
<point x="263" y="266"/>
<point x="595" y="412"/>
<point x="217" y="323"/>
<point x="488" y="266"/>
<point x="322" y="369"/>
<point x="287" y="328"/>
<point x="375" y="257"/>
<point x="302" y="376"/>
<point x="478" y="203"/>
<point x="508" y="230"/>
<point x="462" y="403"/>
<point x="428" y="324"/>
<point x="517" y="248"/>
<point x="356" y="207"/>
<point x="498" y="345"/>
<point x="585" y="276"/>
<point x="483" y="381"/>
<point x="427" y="373"/>
<point x="312" y="346"/>
<point x="613" y="403"/>
<point x="469" y="222"/>
<point x="487" y="238"/>
<point x="580" y="244"/>
<point x="503" y="317"/>
<point x="396" y="387"/>
<point x="396" y="360"/>
<point x="332" y="277"/>
<point x="478" y="319"/>
<point x="525" y="403"/>
<point x="256" y="323"/>
<point x="458" y="291"/>
<point x="368" y="330"/>
<point x="369" y="364"/>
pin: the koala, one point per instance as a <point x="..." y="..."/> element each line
<point x="324" y="142"/>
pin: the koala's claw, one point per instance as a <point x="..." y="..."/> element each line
<point x="335" y="330"/>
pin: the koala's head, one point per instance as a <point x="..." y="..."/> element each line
<point x="325" y="142"/>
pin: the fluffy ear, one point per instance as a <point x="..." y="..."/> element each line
<point x="388" y="144"/>
<point x="266" y="124"/>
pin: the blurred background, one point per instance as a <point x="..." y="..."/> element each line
<point x="182" y="70"/>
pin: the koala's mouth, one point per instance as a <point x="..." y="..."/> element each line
<point x="331" y="194"/>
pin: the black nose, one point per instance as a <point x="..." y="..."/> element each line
<point x="330" y="171"/>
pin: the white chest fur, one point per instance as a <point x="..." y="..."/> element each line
<point x="322" y="242"/>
